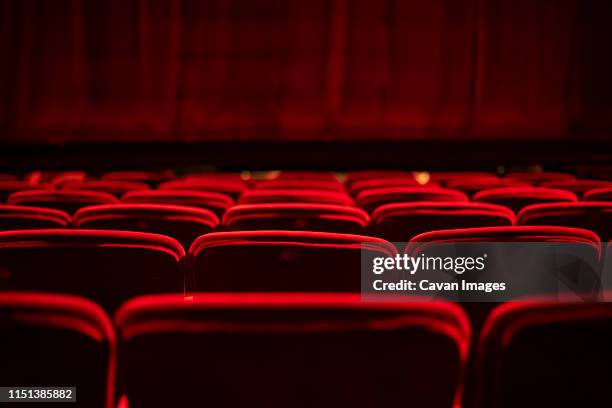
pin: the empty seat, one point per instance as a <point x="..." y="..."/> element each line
<point x="369" y="200"/>
<point x="9" y="187"/>
<point x="401" y="221"/>
<point x="510" y="234"/>
<point x="598" y="194"/>
<point x="182" y="223"/>
<point x="595" y="216"/>
<point x="375" y="174"/>
<point x="114" y="187"/>
<point x="230" y="186"/>
<point x="57" y="341"/>
<point x="298" y="350"/>
<point x="258" y="196"/>
<point x="69" y="201"/>
<point x="301" y="184"/>
<point x="546" y="354"/>
<point x="106" y="266"/>
<point x="281" y="261"/>
<point x="539" y="177"/>
<point x="517" y="198"/>
<point x="297" y="216"/>
<point x="444" y="177"/>
<point x="301" y="175"/>
<point x="215" y="202"/>
<point x="8" y="177"/>
<point x="61" y="178"/>
<point x="470" y="186"/>
<point x="578" y="186"/>
<point x="151" y="178"/>
<point x="373" y="183"/>
<point x="15" y="217"/>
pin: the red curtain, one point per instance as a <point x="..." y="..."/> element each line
<point x="104" y="70"/>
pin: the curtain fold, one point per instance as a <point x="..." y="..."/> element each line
<point x="188" y="70"/>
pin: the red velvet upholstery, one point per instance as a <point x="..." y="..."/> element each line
<point x="589" y="215"/>
<point x="517" y="198"/>
<point x="263" y="196"/>
<point x="374" y="183"/>
<point x="545" y="354"/>
<point x="106" y="266"/>
<point x="539" y="177"/>
<point x="578" y="186"/>
<point x="115" y="187"/>
<point x="298" y="350"/>
<point x="182" y="223"/>
<point x="57" y="341"/>
<point x="215" y="202"/>
<point x="400" y="222"/>
<point x="15" y="217"/>
<point x="275" y="261"/>
<point x="231" y="187"/>
<point x="9" y="187"/>
<point x="472" y="185"/>
<point x="369" y="200"/>
<point x="309" y="184"/>
<point x="297" y="216"/>
<point x="598" y="194"/>
<point x="69" y="201"/>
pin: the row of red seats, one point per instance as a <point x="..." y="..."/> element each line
<point x="112" y="266"/>
<point x="303" y="350"/>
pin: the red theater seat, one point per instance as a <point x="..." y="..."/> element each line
<point x="148" y="177"/>
<point x="114" y="187"/>
<point x="368" y="184"/>
<point x="105" y="266"/>
<point x="281" y="261"/>
<point x="517" y="198"/>
<point x="578" y="186"/>
<point x="539" y="177"/>
<point x="8" y="177"/>
<point x="355" y="176"/>
<point x="297" y="216"/>
<point x="470" y="186"/>
<point x="302" y="175"/>
<point x="510" y="234"/>
<point x="598" y="194"/>
<point x="9" y="187"/>
<point x="58" y="180"/>
<point x="57" y="341"/>
<point x="291" y="350"/>
<point x="369" y="200"/>
<point x="546" y="355"/>
<point x="69" y="201"/>
<point x="182" y="223"/>
<point x="401" y="221"/>
<point x="257" y="196"/>
<point x="230" y="186"/>
<point x="444" y="177"/>
<point x="299" y="184"/>
<point x="595" y="216"/>
<point x="215" y="202"/>
<point x="15" y="217"/>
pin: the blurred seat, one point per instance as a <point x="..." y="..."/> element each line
<point x="298" y="350"/>
<point x="368" y="184"/>
<point x="57" y="341"/>
<point x="230" y="186"/>
<point x="579" y="187"/>
<point x="218" y="203"/>
<point x="546" y="354"/>
<point x="8" y="177"/>
<point x="598" y="194"/>
<point x="297" y="216"/>
<point x="517" y="198"/>
<point x="152" y="178"/>
<point x="257" y="196"/>
<point x="444" y="177"/>
<point x="9" y="187"/>
<point x="299" y="184"/>
<point x="400" y="222"/>
<point x="595" y="216"/>
<point x="355" y="176"/>
<point x="539" y="177"/>
<point x="271" y="261"/>
<point x="369" y="200"/>
<point x="15" y="217"/>
<point x="301" y="175"/>
<point x="105" y="266"/>
<point x="472" y="185"/>
<point x="115" y="187"/>
<point x="69" y="201"/>
<point x="182" y="223"/>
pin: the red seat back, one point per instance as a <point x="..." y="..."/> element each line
<point x="69" y="201"/>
